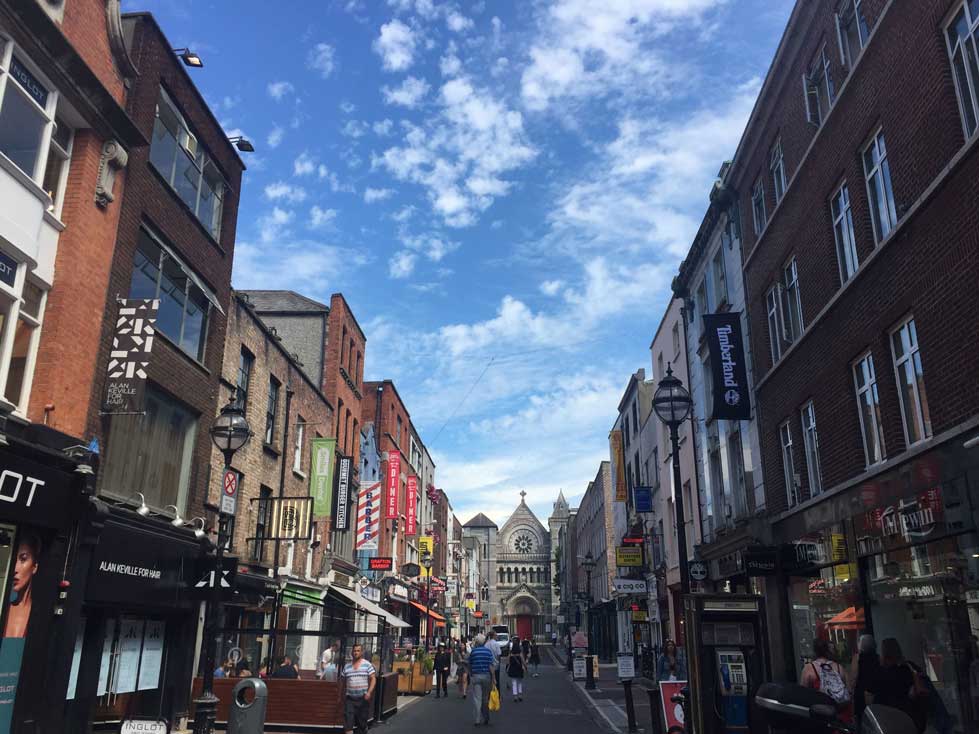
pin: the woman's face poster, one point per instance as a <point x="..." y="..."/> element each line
<point x="25" y="564"/>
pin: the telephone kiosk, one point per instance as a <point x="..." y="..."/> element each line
<point x="728" y="653"/>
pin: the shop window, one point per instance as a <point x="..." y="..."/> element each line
<point x="826" y="604"/>
<point x="184" y="164"/>
<point x="151" y="452"/>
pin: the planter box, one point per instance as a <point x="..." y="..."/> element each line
<point x="403" y="669"/>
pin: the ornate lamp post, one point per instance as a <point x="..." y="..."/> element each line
<point x="229" y="433"/>
<point x="426" y="560"/>
<point x="589" y="565"/>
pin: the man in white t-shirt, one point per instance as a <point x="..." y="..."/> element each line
<point x="494" y="647"/>
<point x="329" y="661"/>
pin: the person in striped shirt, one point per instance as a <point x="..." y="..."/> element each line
<point x="359" y="678"/>
<point x="481" y="664"/>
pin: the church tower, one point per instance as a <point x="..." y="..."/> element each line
<point x="560" y="514"/>
<point x="523" y="573"/>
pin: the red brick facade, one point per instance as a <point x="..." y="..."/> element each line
<point x="343" y="375"/>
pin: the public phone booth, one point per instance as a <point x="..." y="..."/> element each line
<point x="728" y="660"/>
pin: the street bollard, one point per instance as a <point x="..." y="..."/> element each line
<point x="630" y="707"/>
<point x="244" y="716"/>
<point x="655" y="713"/>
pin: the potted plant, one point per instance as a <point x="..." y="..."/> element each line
<point x="402" y="666"/>
<point x="421" y="673"/>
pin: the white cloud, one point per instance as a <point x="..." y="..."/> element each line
<point x="280" y="190"/>
<point x="404" y="213"/>
<point x="275" y="137"/>
<point x="408" y="94"/>
<point x="396" y="46"/>
<point x="450" y="65"/>
<point x="321" y="59"/>
<point x="307" y="266"/>
<point x="373" y="195"/>
<point x="348" y="108"/>
<point x="274" y="225"/>
<point x="433" y="247"/>
<point x="319" y="218"/>
<point x="551" y="287"/>
<point x="355" y="129"/>
<point x="462" y="155"/>
<point x="304" y="164"/>
<point x="278" y="90"/>
<point x="383" y="128"/>
<point x="401" y="265"/>
<point x="457" y="22"/>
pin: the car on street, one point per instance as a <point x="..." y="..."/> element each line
<point x="503" y="637"/>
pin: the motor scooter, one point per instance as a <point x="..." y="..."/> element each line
<point x="789" y="708"/>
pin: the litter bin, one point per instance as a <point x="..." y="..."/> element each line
<point x="244" y="716"/>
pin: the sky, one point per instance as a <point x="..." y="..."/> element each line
<point x="502" y="191"/>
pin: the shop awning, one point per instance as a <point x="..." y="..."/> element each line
<point x="301" y="594"/>
<point x="434" y="615"/>
<point x="368" y="606"/>
<point x="849" y="618"/>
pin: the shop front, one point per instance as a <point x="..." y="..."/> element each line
<point x="896" y="557"/>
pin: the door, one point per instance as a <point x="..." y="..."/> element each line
<point x="525" y="626"/>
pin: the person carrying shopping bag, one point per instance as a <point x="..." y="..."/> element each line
<point x="481" y="677"/>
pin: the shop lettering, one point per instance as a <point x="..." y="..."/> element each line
<point x="727" y="361"/>
<point x="127" y="570"/>
<point x="906" y="522"/>
<point x="11" y="483"/>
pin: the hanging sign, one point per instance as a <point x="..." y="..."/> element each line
<point x="760" y="560"/>
<point x="129" y="357"/>
<point x="368" y="517"/>
<point x="381" y="564"/>
<point x="727" y="362"/>
<point x="290" y="518"/>
<point x="643" y="499"/>
<point x="629" y="586"/>
<point x="618" y="459"/>
<point x="321" y="481"/>
<point x="697" y="570"/>
<point x="411" y="506"/>
<point x="340" y="520"/>
<point x="426" y="544"/>
<point x="628" y="557"/>
<point x="393" y="479"/>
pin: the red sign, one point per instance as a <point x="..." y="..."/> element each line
<point x="394" y="478"/>
<point x="632" y="540"/>
<point x="437" y="584"/>
<point x="230" y="482"/>
<point x="672" y="712"/>
<point x="381" y="564"/>
<point x="411" y="507"/>
<point x="478" y="615"/>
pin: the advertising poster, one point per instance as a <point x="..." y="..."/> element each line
<point x="731" y="399"/>
<point x="426" y="544"/>
<point x="411" y="507"/>
<point x="321" y="479"/>
<point x="127" y="663"/>
<point x="152" y="659"/>
<point x="393" y="480"/>
<point x="672" y="712"/>
<point x="129" y="359"/>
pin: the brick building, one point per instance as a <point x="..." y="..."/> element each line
<point x="856" y="191"/>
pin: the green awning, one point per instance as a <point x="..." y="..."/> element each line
<point x="301" y="595"/>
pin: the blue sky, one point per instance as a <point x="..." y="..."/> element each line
<point x="501" y="190"/>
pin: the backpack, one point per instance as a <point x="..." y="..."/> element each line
<point x="831" y="683"/>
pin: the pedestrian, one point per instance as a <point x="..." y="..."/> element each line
<point x="497" y="650"/>
<point x="534" y="657"/>
<point x="481" y="662"/>
<point x="329" y="660"/>
<point x="462" y="663"/>
<point x="554" y="638"/>
<point x="358" y="680"/>
<point x="286" y="668"/>
<point x="671" y="665"/>
<point x="863" y="670"/>
<point x="443" y="661"/>
<point x="826" y="675"/>
<point x="525" y="650"/>
<point x="903" y="685"/>
<point x="516" y="666"/>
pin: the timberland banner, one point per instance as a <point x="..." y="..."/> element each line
<point x="132" y="342"/>
<point x="324" y="457"/>
<point x="730" y="376"/>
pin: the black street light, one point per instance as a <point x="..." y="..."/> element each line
<point x="190" y="58"/>
<point x="242" y="143"/>
<point x="426" y="560"/>
<point x="672" y="403"/>
<point x="589" y="565"/>
<point x="229" y="433"/>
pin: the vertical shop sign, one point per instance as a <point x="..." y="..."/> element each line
<point x="731" y="400"/>
<point x="151" y="661"/>
<point x="340" y="520"/>
<point x="393" y="479"/>
<point x="368" y="517"/>
<point x="129" y="358"/>
<point x="322" y="476"/>
<point x="615" y="444"/>
<point x="411" y="507"/>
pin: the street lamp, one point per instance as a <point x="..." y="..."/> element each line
<point x="229" y="433"/>
<point x="589" y="565"/>
<point x="672" y="403"/>
<point x="427" y="563"/>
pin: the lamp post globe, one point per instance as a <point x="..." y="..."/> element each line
<point x="230" y="430"/>
<point x="672" y="401"/>
<point x="426" y="561"/>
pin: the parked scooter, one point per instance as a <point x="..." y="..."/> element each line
<point x="788" y="708"/>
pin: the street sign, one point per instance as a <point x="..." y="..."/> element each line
<point x="628" y="557"/>
<point x="579" y="668"/>
<point x="632" y="540"/>
<point x="629" y="586"/>
<point x="697" y="570"/>
<point x="381" y="564"/>
<point x="627" y="666"/>
<point x="229" y="497"/>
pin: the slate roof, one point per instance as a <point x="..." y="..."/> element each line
<point x="480" y="521"/>
<point x="283" y="302"/>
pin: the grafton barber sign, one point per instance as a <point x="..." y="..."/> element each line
<point x="730" y="378"/>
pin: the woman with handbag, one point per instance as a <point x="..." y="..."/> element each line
<point x="515" y="669"/>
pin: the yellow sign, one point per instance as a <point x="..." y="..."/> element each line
<point x="426" y="545"/>
<point x="628" y="557"/>
<point x="471" y="604"/>
<point x="618" y="460"/>
<point x="640" y="616"/>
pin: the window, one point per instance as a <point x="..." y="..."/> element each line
<point x="819" y="89"/>
<point x="708" y="386"/>
<point x="271" y="409"/>
<point x="27" y="332"/>
<point x="297" y="454"/>
<point x="245" y="362"/>
<point x="398" y="437"/>
<point x="719" y="279"/>
<point x="676" y="339"/>
<point x="846" y="241"/>
<point x="151" y="451"/>
<point x="852" y="31"/>
<point x="881" y="195"/>
<point x="735" y="456"/>
<point x="774" y="324"/>
<point x="788" y="464"/>
<point x="703" y="298"/>
<point x="868" y="407"/>
<point x="184" y="300"/>
<point x="910" y="383"/>
<point x="186" y="166"/>
<point x="635" y="420"/>
<point x="655" y="460"/>
<point x="810" y="441"/>
<point x="758" y="206"/>
<point x="776" y="165"/>
<point x="636" y="465"/>
<point x="791" y="303"/>
<point x="56" y="169"/>
<point x="718" y="489"/>
<point x="262" y="520"/>
<point x="961" y="37"/>
<point x="626" y="431"/>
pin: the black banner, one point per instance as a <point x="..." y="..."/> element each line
<point x="132" y="343"/>
<point x="761" y="560"/>
<point x="341" y="512"/>
<point x="730" y="376"/>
